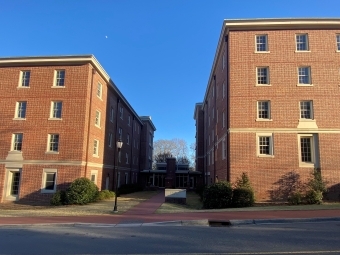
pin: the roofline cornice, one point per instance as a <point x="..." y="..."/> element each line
<point x="273" y="24"/>
<point x="66" y="60"/>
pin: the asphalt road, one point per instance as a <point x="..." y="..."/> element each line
<point x="295" y="238"/>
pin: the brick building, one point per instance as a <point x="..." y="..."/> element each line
<point x="60" y="120"/>
<point x="271" y="105"/>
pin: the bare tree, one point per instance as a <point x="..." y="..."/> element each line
<point x="177" y="148"/>
<point x="192" y="155"/>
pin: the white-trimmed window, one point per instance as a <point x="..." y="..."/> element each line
<point x="301" y="42"/>
<point x="120" y="133"/>
<point x="338" y="42"/>
<point x="263" y="110"/>
<point x="97" y="119"/>
<point x="129" y="120"/>
<point x="17" y="142"/>
<point x="20" y="110"/>
<point x="128" y="139"/>
<point x="24" y="80"/>
<point x="304" y="74"/>
<point x="126" y="158"/>
<point x="223" y="60"/>
<point x="94" y="176"/>
<point x="59" y="78"/>
<point x="53" y="143"/>
<point x="121" y="112"/>
<point x="56" y="109"/>
<point x="99" y="90"/>
<point x="110" y="140"/>
<point x="223" y="120"/>
<point x="118" y="180"/>
<point x="307" y="150"/>
<point x="49" y="181"/>
<point x="306" y="109"/>
<point x="223" y="90"/>
<point x="262" y="75"/>
<point x="261" y="43"/>
<point x="96" y="148"/>
<point x="112" y="114"/>
<point x="264" y="145"/>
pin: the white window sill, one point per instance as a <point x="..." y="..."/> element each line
<point x="263" y="85"/>
<point x="23" y="87"/>
<point x="265" y="156"/>
<point x="264" y="120"/>
<point x="261" y="52"/>
<point x="55" y="119"/>
<point x="52" y="152"/>
<point x="15" y="151"/>
<point x="304" y="85"/>
<point x="302" y="51"/>
<point x="19" y="118"/>
<point x="307" y="120"/>
<point x="337" y="51"/>
<point x="58" y="87"/>
<point x="97" y="126"/>
<point x="47" y="191"/>
<point x="95" y="156"/>
<point x="101" y="99"/>
<point x="305" y="164"/>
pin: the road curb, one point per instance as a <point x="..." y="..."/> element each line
<point x="283" y="221"/>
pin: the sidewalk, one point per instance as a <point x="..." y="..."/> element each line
<point x="144" y="212"/>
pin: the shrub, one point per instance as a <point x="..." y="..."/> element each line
<point x="199" y="190"/>
<point x="243" y="197"/>
<point x="129" y="188"/>
<point x="243" y="182"/>
<point x="296" y="198"/>
<point x="314" y="197"/>
<point x="105" y="194"/>
<point x="82" y="191"/>
<point x="316" y="187"/>
<point x="59" y="198"/>
<point x="217" y="195"/>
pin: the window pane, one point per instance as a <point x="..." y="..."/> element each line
<point x="15" y="183"/>
<point x="301" y="42"/>
<point x="262" y="75"/>
<point x="264" y="145"/>
<point x="338" y="42"/>
<point x="50" y="180"/>
<point x="263" y="110"/>
<point x="305" y="109"/>
<point x="60" y="78"/>
<point x="21" y="112"/>
<point x="304" y="77"/>
<point x="261" y="43"/>
<point x="306" y="152"/>
<point x="25" y="79"/>
<point x="17" y="142"/>
<point x="54" y="142"/>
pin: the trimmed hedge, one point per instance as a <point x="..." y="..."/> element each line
<point x="200" y="190"/>
<point x="59" y="198"/>
<point x="105" y="194"/>
<point x="243" y="197"/>
<point x="217" y="195"/>
<point x="82" y="191"/>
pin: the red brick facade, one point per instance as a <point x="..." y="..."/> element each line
<point x="90" y="111"/>
<point x="233" y="92"/>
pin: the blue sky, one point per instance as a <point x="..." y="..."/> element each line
<point x="158" y="52"/>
